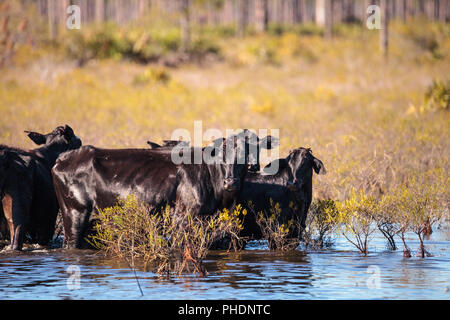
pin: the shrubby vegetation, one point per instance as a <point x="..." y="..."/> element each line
<point x="166" y="242"/>
<point x="321" y="224"/>
<point x="415" y="206"/>
<point x="356" y="219"/>
<point x="380" y="127"/>
<point x="140" y="44"/>
<point x="281" y="233"/>
<point x="438" y="95"/>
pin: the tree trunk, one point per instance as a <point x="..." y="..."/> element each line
<point x="262" y="15"/>
<point x="406" y="251"/>
<point x="324" y="16"/>
<point x="384" y="33"/>
<point x="100" y="11"/>
<point x="185" y="24"/>
<point x="328" y="18"/>
<point x="242" y="17"/>
<point x="52" y="20"/>
<point x="421" y="252"/>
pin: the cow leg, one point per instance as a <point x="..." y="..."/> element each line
<point x="76" y="228"/>
<point x="3" y="225"/>
<point x="46" y="220"/>
<point x="16" y="213"/>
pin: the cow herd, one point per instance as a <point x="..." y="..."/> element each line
<point x="61" y="174"/>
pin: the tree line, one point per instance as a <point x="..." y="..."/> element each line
<point x="243" y="14"/>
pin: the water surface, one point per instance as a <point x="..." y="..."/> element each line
<point x="255" y="273"/>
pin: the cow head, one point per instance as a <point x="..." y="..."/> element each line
<point x="62" y="135"/>
<point x="255" y="144"/>
<point x="224" y="152"/>
<point x="302" y="163"/>
<point x="239" y="154"/>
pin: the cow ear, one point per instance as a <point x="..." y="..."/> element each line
<point x="318" y="166"/>
<point x="3" y="156"/>
<point x="269" y="142"/>
<point x="153" y="145"/>
<point x="36" y="137"/>
<point x="68" y="132"/>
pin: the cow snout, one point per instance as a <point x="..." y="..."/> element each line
<point x="231" y="184"/>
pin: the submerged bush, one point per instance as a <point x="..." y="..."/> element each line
<point x="168" y="242"/>
<point x="419" y="206"/>
<point x="356" y="219"/>
<point x="320" y="224"/>
<point x="413" y="206"/>
<point x="280" y="234"/>
<point x="389" y="222"/>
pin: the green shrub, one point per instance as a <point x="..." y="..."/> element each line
<point x="280" y="234"/>
<point x="320" y="224"/>
<point x="169" y="242"/>
<point x="203" y="46"/>
<point x="419" y="206"/>
<point x="276" y="29"/>
<point x="309" y="29"/>
<point x="356" y="219"/>
<point x="437" y="95"/>
<point x="140" y="44"/>
<point x="152" y="74"/>
<point x="429" y="39"/>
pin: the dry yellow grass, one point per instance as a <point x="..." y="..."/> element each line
<point x="361" y="115"/>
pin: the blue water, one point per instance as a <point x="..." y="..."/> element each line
<point x="256" y="273"/>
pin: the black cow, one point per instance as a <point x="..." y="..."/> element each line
<point x="291" y="187"/>
<point x="91" y="178"/>
<point x="29" y="202"/>
<point x="251" y="138"/>
<point x="4" y="233"/>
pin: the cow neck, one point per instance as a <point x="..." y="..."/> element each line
<point x="49" y="153"/>
<point x="286" y="174"/>
<point x="283" y="175"/>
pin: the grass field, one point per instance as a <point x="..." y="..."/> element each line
<point x="364" y="117"/>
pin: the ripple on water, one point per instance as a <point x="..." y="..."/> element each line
<point x="255" y="273"/>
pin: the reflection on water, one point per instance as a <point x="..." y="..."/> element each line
<point x="256" y="273"/>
